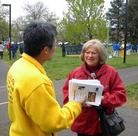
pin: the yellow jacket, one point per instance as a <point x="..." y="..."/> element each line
<point x="33" y="109"/>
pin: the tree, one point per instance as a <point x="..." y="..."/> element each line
<point x="3" y="24"/>
<point x="3" y="12"/>
<point x="133" y="21"/>
<point x="84" y="20"/>
<point x="116" y="16"/>
<point x="39" y="12"/>
<point x="18" y="26"/>
<point x="34" y="12"/>
<point x="3" y="30"/>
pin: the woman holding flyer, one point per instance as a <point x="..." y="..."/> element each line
<point x="94" y="56"/>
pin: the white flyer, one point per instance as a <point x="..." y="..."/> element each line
<point x="92" y="89"/>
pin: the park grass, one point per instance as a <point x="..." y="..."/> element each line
<point x="131" y="60"/>
<point x="132" y="94"/>
<point x="59" y="67"/>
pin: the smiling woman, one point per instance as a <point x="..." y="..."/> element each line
<point x="94" y="66"/>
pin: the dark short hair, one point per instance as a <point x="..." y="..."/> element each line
<point x="37" y="35"/>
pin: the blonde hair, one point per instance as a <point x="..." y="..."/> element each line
<point x="100" y="48"/>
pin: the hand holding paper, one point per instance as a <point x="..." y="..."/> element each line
<point x="92" y="89"/>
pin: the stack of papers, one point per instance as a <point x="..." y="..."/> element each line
<point x="92" y="89"/>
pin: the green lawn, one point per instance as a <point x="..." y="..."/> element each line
<point x="131" y="60"/>
<point x="59" y="67"/>
<point x="132" y="93"/>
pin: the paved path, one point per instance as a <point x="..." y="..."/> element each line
<point x="129" y="76"/>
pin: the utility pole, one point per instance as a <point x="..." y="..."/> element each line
<point x="125" y="42"/>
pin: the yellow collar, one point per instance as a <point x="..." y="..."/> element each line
<point x="34" y="62"/>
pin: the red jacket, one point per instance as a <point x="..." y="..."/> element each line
<point x="114" y="95"/>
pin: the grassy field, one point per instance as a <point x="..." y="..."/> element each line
<point x="59" y="67"/>
<point x="132" y="93"/>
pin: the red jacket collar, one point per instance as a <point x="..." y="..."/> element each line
<point x="101" y="69"/>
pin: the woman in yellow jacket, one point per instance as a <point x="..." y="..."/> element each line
<point x="32" y="106"/>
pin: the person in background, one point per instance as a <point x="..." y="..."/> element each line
<point x="128" y="48"/>
<point x="21" y="46"/>
<point x="14" y="49"/>
<point x="63" y="49"/>
<point x="32" y="106"/>
<point x="1" y="50"/>
<point x="94" y="56"/>
<point x="116" y="49"/>
<point x="122" y="49"/>
<point x="134" y="48"/>
<point x="8" y="47"/>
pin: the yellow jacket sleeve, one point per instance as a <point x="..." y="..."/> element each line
<point x="45" y="111"/>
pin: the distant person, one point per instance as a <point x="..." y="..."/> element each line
<point x="1" y="50"/>
<point x="14" y="49"/>
<point x="21" y="48"/>
<point x="32" y="106"/>
<point x="63" y="49"/>
<point x="122" y="49"/>
<point x="116" y="49"/>
<point x="94" y="56"/>
<point x="8" y="47"/>
<point x="134" y="48"/>
<point x="128" y="48"/>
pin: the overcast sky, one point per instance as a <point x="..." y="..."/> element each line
<point x="57" y="6"/>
